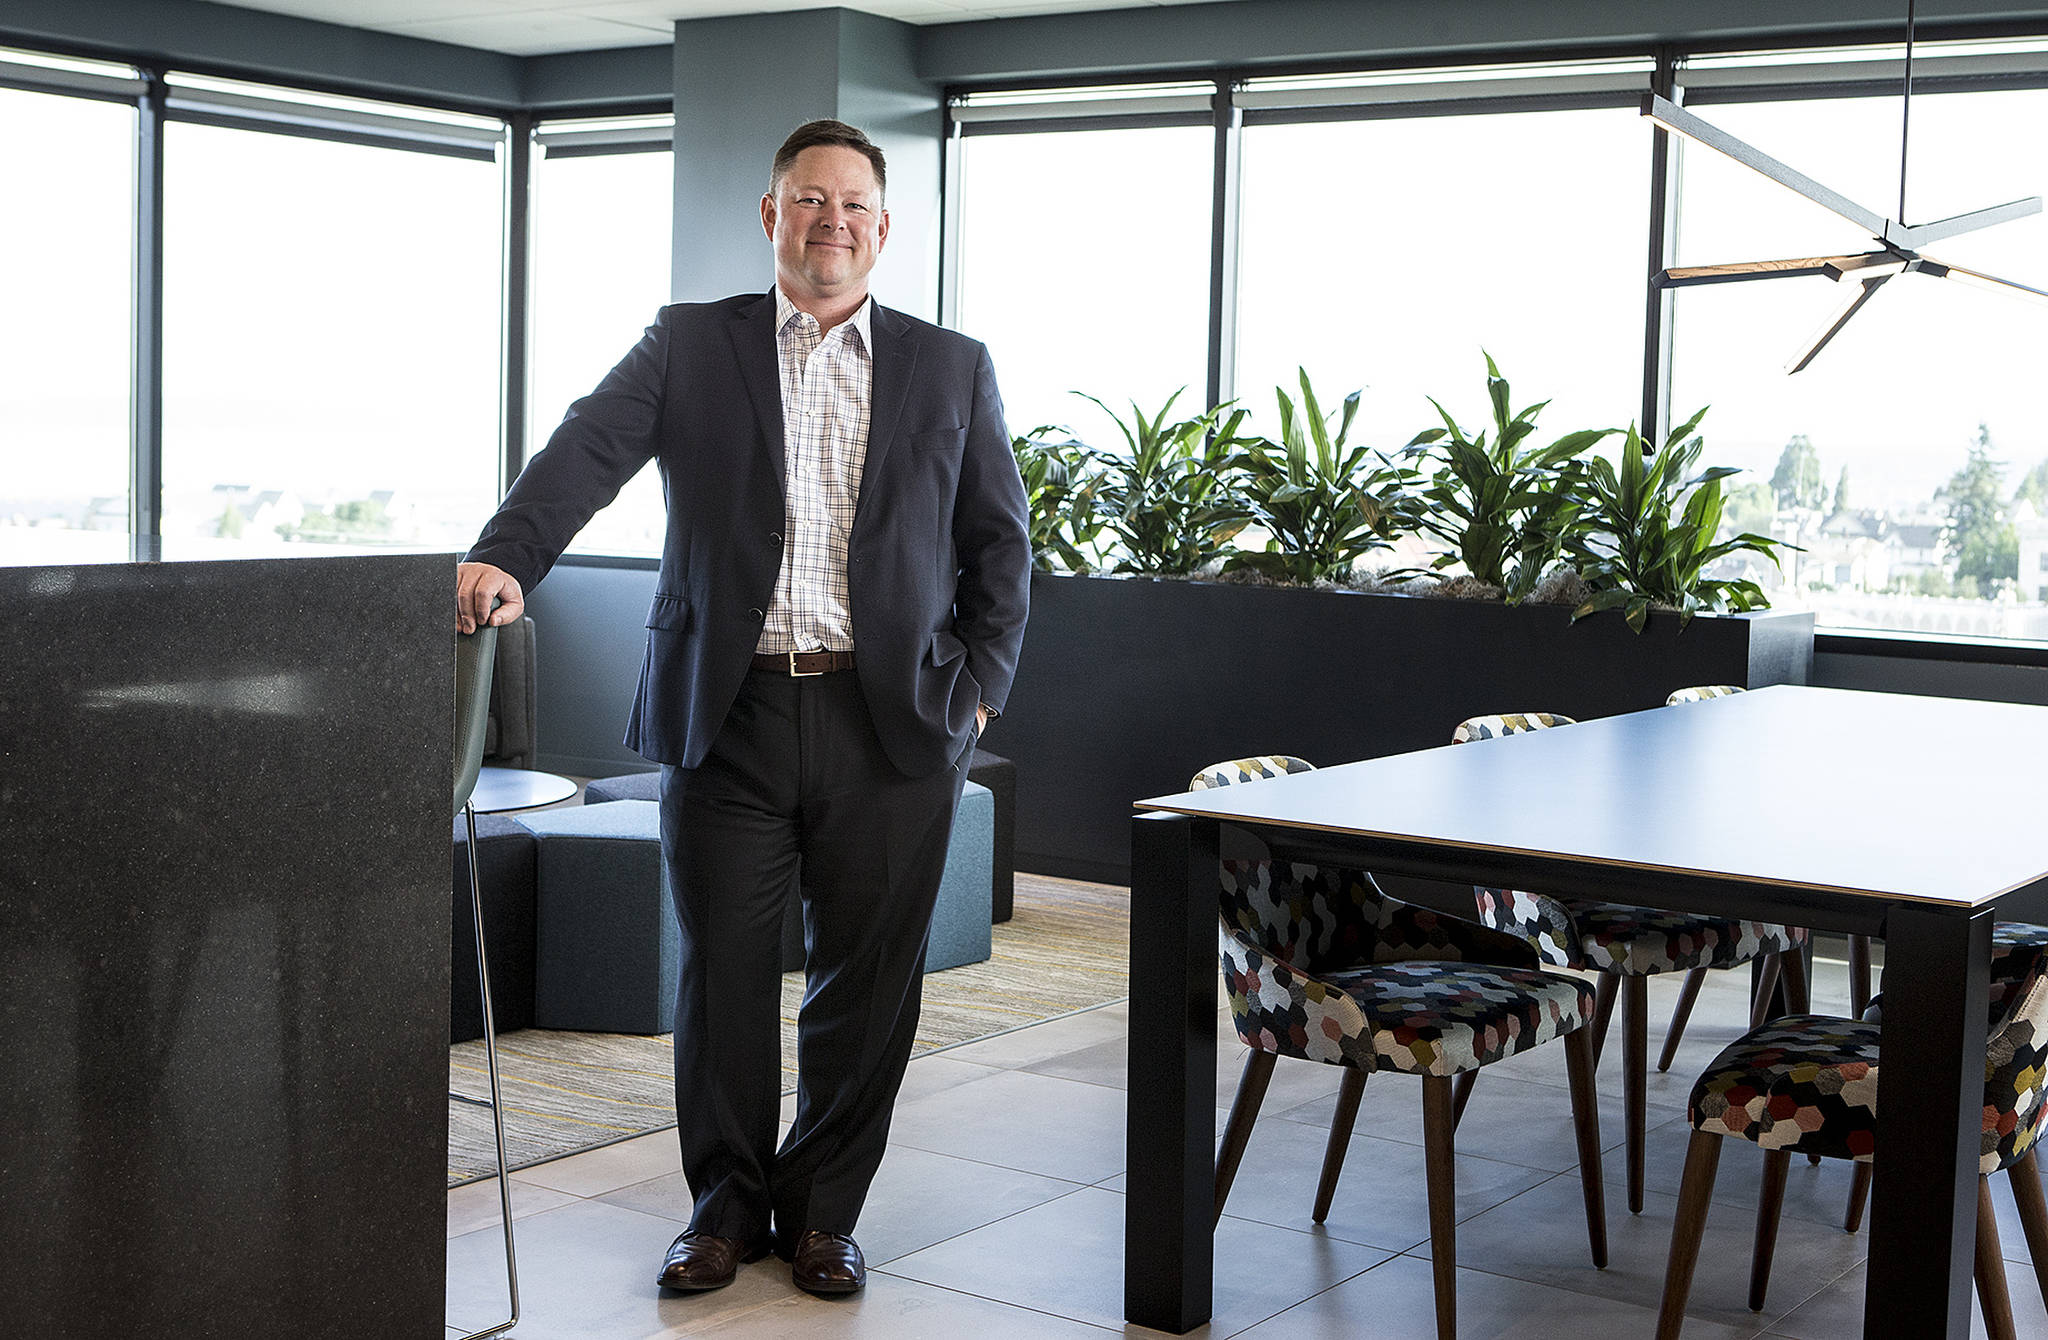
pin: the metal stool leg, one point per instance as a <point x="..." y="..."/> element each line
<point x="483" y="986"/>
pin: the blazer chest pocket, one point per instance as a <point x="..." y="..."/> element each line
<point x="939" y="439"/>
<point x="670" y="614"/>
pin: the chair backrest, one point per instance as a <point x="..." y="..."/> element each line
<point x="509" y="735"/>
<point x="1302" y="914"/>
<point x="2016" y="1054"/>
<point x="475" y="655"/>
<point x="1513" y="723"/>
<point x="1248" y="770"/>
<point x="1700" y="693"/>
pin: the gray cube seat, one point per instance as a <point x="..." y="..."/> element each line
<point x="606" y="945"/>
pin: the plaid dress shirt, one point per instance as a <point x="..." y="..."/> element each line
<point x="828" y="381"/>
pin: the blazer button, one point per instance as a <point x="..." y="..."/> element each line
<point x="756" y="615"/>
<point x="775" y="537"/>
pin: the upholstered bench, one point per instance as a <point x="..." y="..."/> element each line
<point x="606" y="945"/>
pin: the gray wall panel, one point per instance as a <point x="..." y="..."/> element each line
<point x="595" y="78"/>
<point x="1264" y="32"/>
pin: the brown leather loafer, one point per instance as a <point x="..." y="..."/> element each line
<point x="698" y="1261"/>
<point x="828" y="1263"/>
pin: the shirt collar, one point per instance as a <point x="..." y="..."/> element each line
<point x="786" y="311"/>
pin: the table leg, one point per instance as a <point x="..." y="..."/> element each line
<point x="1923" y="1217"/>
<point x="1170" y="1143"/>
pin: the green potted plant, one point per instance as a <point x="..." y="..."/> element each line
<point x="1500" y="508"/>
<point x="1645" y="533"/>
<point x="1322" y="503"/>
<point x="1166" y="504"/>
<point x="1059" y="492"/>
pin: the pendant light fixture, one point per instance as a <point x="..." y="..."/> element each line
<point x="1898" y="249"/>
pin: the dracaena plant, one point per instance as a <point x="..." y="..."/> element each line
<point x="1646" y="533"/>
<point x="1323" y="502"/>
<point x="1497" y="505"/>
<point x="1166" y="503"/>
<point x="1060" y="483"/>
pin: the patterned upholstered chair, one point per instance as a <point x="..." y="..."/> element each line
<point x="1809" y="1084"/>
<point x="1626" y="946"/>
<point x="1321" y="966"/>
<point x="1859" y="945"/>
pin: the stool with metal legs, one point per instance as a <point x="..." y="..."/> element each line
<point x="474" y="655"/>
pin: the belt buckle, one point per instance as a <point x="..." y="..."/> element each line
<point x="795" y="673"/>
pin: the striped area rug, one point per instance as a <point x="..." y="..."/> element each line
<point x="1064" y="949"/>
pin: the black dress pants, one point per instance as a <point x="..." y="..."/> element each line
<point x="797" y="793"/>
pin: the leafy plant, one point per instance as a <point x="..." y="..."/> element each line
<point x="1060" y="484"/>
<point x="1646" y="534"/>
<point x="1325" y="504"/>
<point x="1499" y="507"/>
<point x="1167" y="503"/>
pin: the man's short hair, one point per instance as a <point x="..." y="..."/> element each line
<point x="812" y="134"/>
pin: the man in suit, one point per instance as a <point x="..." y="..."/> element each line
<point x="839" y="609"/>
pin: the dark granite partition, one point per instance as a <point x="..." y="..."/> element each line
<point x="224" y="799"/>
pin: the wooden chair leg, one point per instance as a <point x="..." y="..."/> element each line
<point x="1859" y="974"/>
<point x="2025" y="1177"/>
<point x="1687" y="1227"/>
<point x="1244" y="1110"/>
<point x="1438" y="1148"/>
<point x="1777" y="1162"/>
<point x="1461" y="1094"/>
<point x="1578" y="1059"/>
<point x="1766" y="991"/>
<point x="1635" y="1066"/>
<point x="1680" y="1013"/>
<point x="1859" y="1196"/>
<point x="1798" y="985"/>
<point x="1604" y="992"/>
<point x="1348" y="1095"/>
<point x="1991" y="1293"/>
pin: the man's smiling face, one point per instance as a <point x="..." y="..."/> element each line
<point x="827" y="223"/>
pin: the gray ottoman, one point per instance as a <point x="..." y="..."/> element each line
<point x="960" y="920"/>
<point x="605" y="938"/>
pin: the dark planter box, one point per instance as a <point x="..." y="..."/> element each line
<point x="1127" y="686"/>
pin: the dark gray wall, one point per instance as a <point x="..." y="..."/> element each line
<point x="590" y="630"/>
<point x="730" y="120"/>
<point x="198" y="35"/>
<point x="1265" y="32"/>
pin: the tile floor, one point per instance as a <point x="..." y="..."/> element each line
<point x="999" y="1213"/>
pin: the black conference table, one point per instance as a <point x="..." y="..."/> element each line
<point x="1916" y="819"/>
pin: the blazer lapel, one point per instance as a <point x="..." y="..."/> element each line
<point x="895" y="360"/>
<point x="753" y="338"/>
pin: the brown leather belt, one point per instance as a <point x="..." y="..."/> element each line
<point x="802" y="663"/>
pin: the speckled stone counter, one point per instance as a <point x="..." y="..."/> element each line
<point x="224" y="799"/>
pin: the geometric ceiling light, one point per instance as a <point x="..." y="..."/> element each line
<point x="1898" y="244"/>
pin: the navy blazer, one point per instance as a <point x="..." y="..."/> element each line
<point x="938" y="561"/>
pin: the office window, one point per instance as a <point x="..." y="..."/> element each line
<point x="332" y="334"/>
<point x="1390" y="254"/>
<point x="1084" y="266"/>
<point x="600" y="268"/>
<point x="67" y="169"/>
<point x="1908" y="459"/>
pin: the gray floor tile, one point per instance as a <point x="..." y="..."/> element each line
<point x="1033" y="1123"/>
<point x="1382" y="1198"/>
<point x="1837" y="1310"/>
<point x="586" y="1272"/>
<point x="478" y="1205"/>
<point x="1525" y="1239"/>
<point x="918" y="1198"/>
<point x="1066" y="1257"/>
<point x="1041" y="1042"/>
<point x="597" y="1171"/>
<point x="1398" y="1298"/>
<point x="1815" y="1195"/>
<point x="892" y="1308"/>
<point x="1508" y="1120"/>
